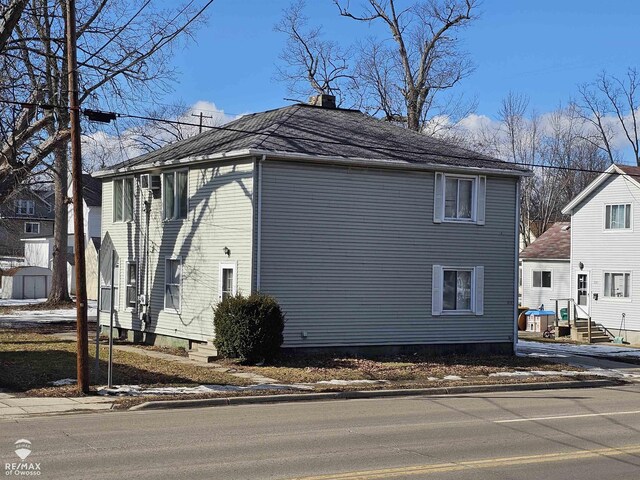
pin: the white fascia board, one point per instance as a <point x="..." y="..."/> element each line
<point x="173" y="163"/>
<point x="385" y="163"/>
<point x="323" y="159"/>
<point x="612" y="169"/>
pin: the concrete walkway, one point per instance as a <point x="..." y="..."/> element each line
<point x="252" y="377"/>
<point x="12" y="406"/>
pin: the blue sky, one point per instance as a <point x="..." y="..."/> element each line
<point x="541" y="48"/>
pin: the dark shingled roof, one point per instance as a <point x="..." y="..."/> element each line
<point x="91" y="190"/>
<point x="630" y="170"/>
<point x="555" y="243"/>
<point x="322" y="131"/>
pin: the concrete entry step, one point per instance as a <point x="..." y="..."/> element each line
<point x="203" y="352"/>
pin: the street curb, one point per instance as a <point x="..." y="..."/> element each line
<point x="360" y="394"/>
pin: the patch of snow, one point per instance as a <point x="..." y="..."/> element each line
<point x="137" y="390"/>
<point x="452" y="377"/>
<point x="527" y="348"/>
<point x="15" y="302"/>
<point x="62" y="315"/>
<point x="349" y="382"/>
<point x="64" y="381"/>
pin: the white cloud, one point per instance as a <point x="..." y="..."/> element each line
<point x="112" y="145"/>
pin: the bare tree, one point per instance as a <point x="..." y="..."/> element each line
<point x="9" y="16"/>
<point x="611" y="104"/>
<point x="124" y="48"/>
<point x="425" y="60"/>
<point x="310" y="63"/>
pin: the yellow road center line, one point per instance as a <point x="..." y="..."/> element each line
<point x="559" y="417"/>
<point x="475" y="464"/>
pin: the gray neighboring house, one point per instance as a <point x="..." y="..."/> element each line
<point x="25" y="214"/>
<point x="545" y="269"/>
<point x="368" y="234"/>
<point x="605" y="250"/>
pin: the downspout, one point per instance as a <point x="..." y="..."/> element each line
<point x="259" y="225"/>
<point x="516" y="257"/>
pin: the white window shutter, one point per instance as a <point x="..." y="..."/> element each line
<point x="438" y="198"/>
<point x="478" y="308"/>
<point x="481" y="199"/>
<point x="436" y="291"/>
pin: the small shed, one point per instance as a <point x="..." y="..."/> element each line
<point x="25" y="282"/>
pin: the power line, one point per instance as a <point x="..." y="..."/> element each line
<point x="326" y="141"/>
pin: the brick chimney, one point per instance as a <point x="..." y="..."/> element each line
<point x="323" y="100"/>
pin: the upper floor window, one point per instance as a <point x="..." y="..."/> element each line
<point x="31" y="227"/>
<point x="542" y="279"/>
<point x="123" y="200"/>
<point x="618" y="217"/>
<point x="174" y="193"/>
<point x="459" y="198"/>
<point x="25" y="207"/>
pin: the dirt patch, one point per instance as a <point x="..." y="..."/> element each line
<point x="308" y="369"/>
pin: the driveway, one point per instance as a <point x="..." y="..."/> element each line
<point x="603" y="360"/>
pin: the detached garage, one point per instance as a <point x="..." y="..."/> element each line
<point x="25" y="282"/>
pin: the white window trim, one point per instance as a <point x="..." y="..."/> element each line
<point x="128" y="307"/>
<point x="113" y="200"/>
<point x="541" y="287"/>
<point x="26" y="203"/>
<point x="618" y="299"/>
<point x="474" y="200"/>
<point x="234" y="267"/>
<point x="31" y="223"/>
<point x="174" y="172"/>
<point x="116" y="280"/>
<point x="617" y="230"/>
<point x="164" y="293"/>
<point x="477" y="290"/>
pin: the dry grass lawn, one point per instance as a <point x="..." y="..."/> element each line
<point x="30" y="360"/>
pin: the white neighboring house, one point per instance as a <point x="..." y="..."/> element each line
<point x="92" y="215"/>
<point x="605" y="251"/>
<point x="545" y="269"/>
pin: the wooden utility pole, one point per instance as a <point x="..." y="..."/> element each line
<point x="78" y="220"/>
<point x="201" y="117"/>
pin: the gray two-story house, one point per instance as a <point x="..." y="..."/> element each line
<point x="24" y="214"/>
<point x="369" y="235"/>
<point x="605" y="251"/>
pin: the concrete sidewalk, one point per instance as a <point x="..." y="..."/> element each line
<point x="12" y="406"/>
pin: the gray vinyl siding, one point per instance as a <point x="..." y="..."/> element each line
<point x="603" y="251"/>
<point x="533" y="297"/>
<point x="349" y="252"/>
<point x="220" y="214"/>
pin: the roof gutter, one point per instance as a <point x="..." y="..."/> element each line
<point x="319" y="159"/>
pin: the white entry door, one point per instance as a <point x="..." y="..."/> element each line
<point x="582" y="294"/>
<point x="35" y="286"/>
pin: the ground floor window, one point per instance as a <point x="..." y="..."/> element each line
<point x="457" y="290"/>
<point x="132" y="281"/>
<point x="542" y="279"/>
<point x="105" y="288"/>
<point x="172" y="283"/>
<point x="31" y="227"/>
<point x="617" y="285"/>
<point x="228" y="284"/>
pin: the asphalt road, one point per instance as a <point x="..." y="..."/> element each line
<point x="556" y="434"/>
